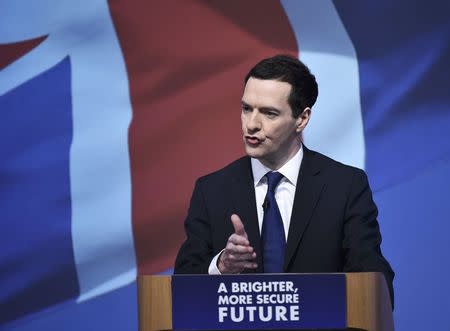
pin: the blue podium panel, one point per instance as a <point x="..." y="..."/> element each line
<point x="276" y="301"/>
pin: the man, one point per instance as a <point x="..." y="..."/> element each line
<point x="282" y="208"/>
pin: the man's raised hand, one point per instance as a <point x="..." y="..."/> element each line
<point x="238" y="254"/>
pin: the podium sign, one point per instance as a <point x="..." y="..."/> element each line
<point x="277" y="301"/>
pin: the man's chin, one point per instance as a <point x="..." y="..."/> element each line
<point x="253" y="152"/>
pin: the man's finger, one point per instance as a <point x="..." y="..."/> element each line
<point x="239" y="266"/>
<point x="251" y="257"/>
<point x="238" y="226"/>
<point x="230" y="263"/>
<point x="238" y="240"/>
<point x="238" y="249"/>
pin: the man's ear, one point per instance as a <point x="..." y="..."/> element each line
<point x="303" y="119"/>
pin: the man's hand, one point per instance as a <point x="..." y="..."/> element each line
<point x="238" y="254"/>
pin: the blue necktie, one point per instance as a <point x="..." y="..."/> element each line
<point x="273" y="238"/>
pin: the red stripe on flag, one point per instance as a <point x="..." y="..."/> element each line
<point x="11" y="52"/>
<point x="186" y="61"/>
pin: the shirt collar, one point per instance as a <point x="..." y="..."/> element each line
<point x="289" y="170"/>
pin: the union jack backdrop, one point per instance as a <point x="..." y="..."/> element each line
<point x="109" y="111"/>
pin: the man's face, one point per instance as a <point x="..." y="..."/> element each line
<point x="271" y="134"/>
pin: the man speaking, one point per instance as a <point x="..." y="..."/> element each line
<point x="281" y="208"/>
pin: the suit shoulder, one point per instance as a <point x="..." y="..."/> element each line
<point x="236" y="167"/>
<point x="328" y="164"/>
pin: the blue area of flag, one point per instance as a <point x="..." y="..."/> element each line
<point x="37" y="267"/>
<point x="114" y="311"/>
<point x="415" y="232"/>
<point x="403" y="51"/>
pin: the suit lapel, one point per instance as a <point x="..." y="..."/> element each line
<point x="308" y="190"/>
<point x="243" y="191"/>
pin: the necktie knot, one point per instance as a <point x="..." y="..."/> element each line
<point x="273" y="179"/>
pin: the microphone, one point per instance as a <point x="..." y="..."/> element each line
<point x="265" y="204"/>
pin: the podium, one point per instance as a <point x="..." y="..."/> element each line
<point x="368" y="306"/>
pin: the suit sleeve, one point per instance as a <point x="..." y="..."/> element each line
<point x="362" y="236"/>
<point x="196" y="253"/>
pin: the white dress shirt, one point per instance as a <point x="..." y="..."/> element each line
<point x="284" y="194"/>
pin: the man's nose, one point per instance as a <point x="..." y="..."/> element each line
<point x="254" y="122"/>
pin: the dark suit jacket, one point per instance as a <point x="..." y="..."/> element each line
<point x="333" y="225"/>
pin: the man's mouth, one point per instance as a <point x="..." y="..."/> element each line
<point x="252" y="141"/>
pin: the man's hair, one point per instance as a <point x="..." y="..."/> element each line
<point x="288" y="69"/>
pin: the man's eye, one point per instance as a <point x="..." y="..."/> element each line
<point x="271" y="114"/>
<point x="246" y="109"/>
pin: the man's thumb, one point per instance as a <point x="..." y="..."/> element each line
<point x="238" y="226"/>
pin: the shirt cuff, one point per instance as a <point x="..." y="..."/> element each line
<point x="213" y="269"/>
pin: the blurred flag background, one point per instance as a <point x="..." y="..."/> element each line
<point x="109" y="111"/>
